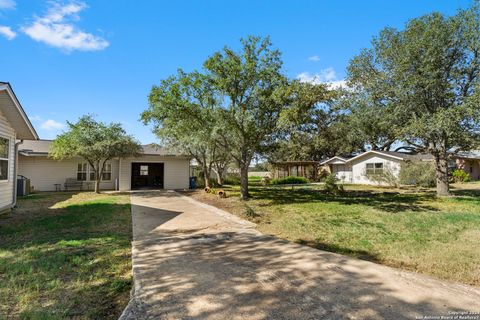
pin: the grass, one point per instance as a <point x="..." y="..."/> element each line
<point x="65" y="255"/>
<point x="409" y="229"/>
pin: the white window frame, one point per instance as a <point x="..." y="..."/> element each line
<point x="7" y="159"/>
<point x="107" y="164"/>
<point x="374" y="169"/>
<point x="83" y="165"/>
<point x="91" y="171"/>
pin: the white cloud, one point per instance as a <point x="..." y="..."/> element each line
<point x="326" y="76"/>
<point x="7" y="4"/>
<point x="7" y="32"/>
<point x="314" y="58"/>
<point x="57" y="29"/>
<point x="51" y="125"/>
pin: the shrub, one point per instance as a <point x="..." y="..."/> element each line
<point x="231" y="180"/>
<point x="385" y="178"/>
<point x="331" y="185"/>
<point x="460" y="175"/>
<point x="290" y="180"/>
<point x="249" y="212"/>
<point x="420" y="174"/>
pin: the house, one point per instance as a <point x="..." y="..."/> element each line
<point x="357" y="169"/>
<point x="14" y="127"/>
<point x="468" y="161"/>
<point x="156" y="168"/>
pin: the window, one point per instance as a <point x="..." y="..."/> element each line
<point x="107" y="172"/>
<point x="85" y="170"/>
<point x="4" y="160"/>
<point x="82" y="172"/>
<point x="92" y="173"/>
<point x="374" y="168"/>
<point x="144" y="170"/>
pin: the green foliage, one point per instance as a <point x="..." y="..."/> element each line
<point x="384" y="178"/>
<point x="331" y="185"/>
<point x="96" y="142"/>
<point x="460" y="176"/>
<point x="250" y="213"/>
<point x="184" y="112"/>
<point x="418" y="173"/>
<point x="423" y="81"/>
<point x="232" y="179"/>
<point x="289" y="180"/>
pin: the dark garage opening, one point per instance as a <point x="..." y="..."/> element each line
<point x="147" y="175"/>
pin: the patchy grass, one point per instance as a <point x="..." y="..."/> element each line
<point x="65" y="255"/>
<point x="406" y="228"/>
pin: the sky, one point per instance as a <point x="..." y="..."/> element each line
<point x="65" y="59"/>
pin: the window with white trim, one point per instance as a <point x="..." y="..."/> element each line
<point x="4" y="158"/>
<point x="85" y="170"/>
<point x="82" y="171"/>
<point x="374" y="168"/>
<point x="107" y="172"/>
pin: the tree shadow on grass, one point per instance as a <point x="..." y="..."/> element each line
<point x="71" y="261"/>
<point x="234" y="275"/>
<point x="392" y="202"/>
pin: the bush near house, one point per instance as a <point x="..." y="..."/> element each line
<point x="420" y="174"/>
<point x="384" y="178"/>
<point x="460" y="175"/>
<point x="331" y="185"/>
<point x="289" y="180"/>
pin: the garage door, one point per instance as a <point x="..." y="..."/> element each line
<point x="147" y="175"/>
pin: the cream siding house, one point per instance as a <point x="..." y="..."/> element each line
<point x="156" y="168"/>
<point x="357" y="169"/>
<point x="14" y="127"/>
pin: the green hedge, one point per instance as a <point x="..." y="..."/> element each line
<point x="290" y="180"/>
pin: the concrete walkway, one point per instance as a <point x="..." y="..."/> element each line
<point x="192" y="261"/>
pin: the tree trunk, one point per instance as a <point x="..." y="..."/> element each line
<point x="219" y="173"/>
<point x="97" y="185"/>
<point x="244" y="182"/>
<point x="441" y="168"/>
<point x="206" y="176"/>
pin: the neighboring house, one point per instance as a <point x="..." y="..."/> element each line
<point x="358" y="168"/>
<point x="468" y="161"/>
<point x="14" y="127"/>
<point x="156" y="168"/>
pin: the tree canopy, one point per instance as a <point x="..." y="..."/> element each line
<point x="424" y="82"/>
<point x="96" y="142"/>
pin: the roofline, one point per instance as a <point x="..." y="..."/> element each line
<point x="6" y="86"/>
<point x="375" y="152"/>
<point x="330" y="159"/>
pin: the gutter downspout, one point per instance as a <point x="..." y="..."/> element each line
<point x="14" y="202"/>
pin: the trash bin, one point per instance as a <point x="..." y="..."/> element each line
<point x="193" y="182"/>
<point x="23" y="186"/>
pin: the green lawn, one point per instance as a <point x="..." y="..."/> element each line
<point x="402" y="228"/>
<point x="65" y="255"/>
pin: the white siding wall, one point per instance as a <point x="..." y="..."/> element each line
<point x="359" y="166"/>
<point x="44" y="173"/>
<point x="6" y="187"/>
<point x="343" y="172"/>
<point x="176" y="171"/>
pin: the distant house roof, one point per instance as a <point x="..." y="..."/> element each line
<point x="11" y="108"/>
<point x="473" y="154"/>
<point x="334" y="160"/>
<point x="391" y="154"/>
<point x="41" y="148"/>
<point x="295" y="163"/>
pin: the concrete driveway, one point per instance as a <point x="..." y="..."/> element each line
<point x="192" y="261"/>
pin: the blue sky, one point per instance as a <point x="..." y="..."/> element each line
<point x="69" y="58"/>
